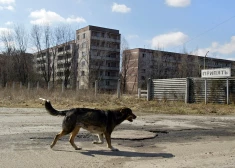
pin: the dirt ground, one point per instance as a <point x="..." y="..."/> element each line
<point x="164" y="141"/>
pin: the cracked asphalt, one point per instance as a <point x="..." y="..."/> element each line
<point x="150" y="141"/>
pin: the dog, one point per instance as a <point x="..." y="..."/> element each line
<point x="100" y="122"/>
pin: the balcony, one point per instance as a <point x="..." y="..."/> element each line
<point x="105" y="39"/>
<point x="105" y="48"/>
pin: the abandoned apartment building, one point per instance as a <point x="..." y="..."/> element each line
<point x="93" y="55"/>
<point x="139" y="64"/>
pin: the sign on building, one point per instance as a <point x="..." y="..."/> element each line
<point x="216" y="73"/>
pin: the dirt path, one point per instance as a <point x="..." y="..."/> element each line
<point x="162" y="141"/>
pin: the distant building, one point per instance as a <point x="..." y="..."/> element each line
<point x="98" y="57"/>
<point x="93" y="55"/>
<point x="140" y="64"/>
<point x="57" y="63"/>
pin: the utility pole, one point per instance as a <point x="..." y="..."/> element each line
<point x="205" y="60"/>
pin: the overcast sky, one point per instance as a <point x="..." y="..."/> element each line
<point x="195" y="26"/>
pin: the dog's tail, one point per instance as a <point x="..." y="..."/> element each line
<point x="51" y="110"/>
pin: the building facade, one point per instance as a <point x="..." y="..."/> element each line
<point x="93" y="55"/>
<point x="58" y="63"/>
<point x="140" y="64"/>
<point x="98" y="57"/>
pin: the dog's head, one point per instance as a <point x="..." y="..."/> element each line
<point x="128" y="113"/>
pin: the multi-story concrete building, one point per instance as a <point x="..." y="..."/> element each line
<point x="93" y="55"/>
<point x="98" y="57"/>
<point x="140" y="64"/>
<point x="57" y="63"/>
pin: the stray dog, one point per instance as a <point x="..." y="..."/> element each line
<point x="96" y="121"/>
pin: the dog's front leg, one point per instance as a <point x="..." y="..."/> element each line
<point x="72" y="137"/>
<point x="108" y="139"/>
<point x="101" y="139"/>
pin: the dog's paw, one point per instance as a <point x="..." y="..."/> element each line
<point x="78" y="148"/>
<point x="113" y="149"/>
<point x="97" y="142"/>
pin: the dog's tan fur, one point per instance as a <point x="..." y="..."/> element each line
<point x="96" y="121"/>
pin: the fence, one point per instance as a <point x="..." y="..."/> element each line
<point x="37" y="86"/>
<point x="192" y="90"/>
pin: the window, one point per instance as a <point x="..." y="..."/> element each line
<point x="143" y="70"/>
<point x="82" y="73"/>
<point x="107" y="83"/>
<point x="107" y="73"/>
<point x="143" y="55"/>
<point x="84" y="45"/>
<point x="60" y="49"/>
<point x="83" y="53"/>
<point x="142" y="77"/>
<point x="78" y="37"/>
<point x="60" y="74"/>
<point x="67" y="47"/>
<point x="84" y="35"/>
<point x="60" y="66"/>
<point x="83" y="63"/>
<point x="101" y="73"/>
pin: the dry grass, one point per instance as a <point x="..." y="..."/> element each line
<point x="69" y="99"/>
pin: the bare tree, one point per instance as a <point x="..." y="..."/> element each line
<point x="19" y="63"/>
<point x="41" y="35"/>
<point x="66" y="52"/>
<point x="125" y="63"/>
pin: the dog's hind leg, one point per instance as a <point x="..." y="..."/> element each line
<point x="72" y="137"/>
<point x="108" y="139"/>
<point x="101" y="139"/>
<point x="58" y="136"/>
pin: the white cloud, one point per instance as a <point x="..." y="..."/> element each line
<point x="7" y="2"/>
<point x="169" y="40"/>
<point x="47" y="17"/>
<point x="11" y="8"/>
<point x="8" y="23"/>
<point x="178" y="3"/>
<point x="7" y="5"/>
<point x="75" y="19"/>
<point x="121" y="8"/>
<point x="220" y="49"/>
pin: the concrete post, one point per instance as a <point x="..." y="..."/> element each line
<point x="62" y="87"/>
<point x="119" y="89"/>
<point x="37" y="86"/>
<point x="13" y="86"/>
<point x="96" y="87"/>
<point x="205" y="91"/>
<point x="187" y="91"/>
<point x="149" y="89"/>
<point x="139" y="93"/>
<point x="48" y="86"/>
<point x="227" y="91"/>
<point x="28" y="85"/>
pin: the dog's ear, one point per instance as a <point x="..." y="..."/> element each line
<point x="123" y="110"/>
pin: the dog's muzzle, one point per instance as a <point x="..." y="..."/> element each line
<point x="131" y="118"/>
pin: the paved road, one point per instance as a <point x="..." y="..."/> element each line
<point x="150" y="141"/>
